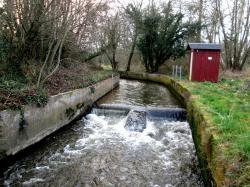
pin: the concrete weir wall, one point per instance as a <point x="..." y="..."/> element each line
<point x="211" y="168"/>
<point x="18" y="131"/>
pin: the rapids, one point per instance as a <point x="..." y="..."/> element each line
<point x="99" y="151"/>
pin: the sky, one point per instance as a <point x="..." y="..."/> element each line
<point x="177" y="4"/>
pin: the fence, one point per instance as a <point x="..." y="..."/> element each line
<point x="177" y="72"/>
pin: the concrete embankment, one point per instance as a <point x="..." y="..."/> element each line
<point x="211" y="168"/>
<point x="21" y="129"/>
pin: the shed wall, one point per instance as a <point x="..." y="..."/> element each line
<point x="205" y="65"/>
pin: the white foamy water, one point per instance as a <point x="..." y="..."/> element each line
<point x="109" y="155"/>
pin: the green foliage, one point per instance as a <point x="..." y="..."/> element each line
<point x="39" y="98"/>
<point x="3" y="50"/>
<point x="163" y="37"/>
<point x="12" y="82"/>
<point x="15" y="92"/>
<point x="134" y="13"/>
<point x="229" y="104"/>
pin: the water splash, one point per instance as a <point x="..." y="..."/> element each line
<point x="100" y="151"/>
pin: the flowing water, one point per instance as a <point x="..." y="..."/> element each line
<point x="141" y="94"/>
<point x="99" y="151"/>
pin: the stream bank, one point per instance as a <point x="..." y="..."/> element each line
<point x="20" y="129"/>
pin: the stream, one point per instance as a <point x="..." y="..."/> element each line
<point x="99" y="151"/>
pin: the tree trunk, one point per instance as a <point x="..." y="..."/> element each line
<point x="114" y="63"/>
<point x="96" y="54"/>
<point x="132" y="52"/>
<point x="200" y="18"/>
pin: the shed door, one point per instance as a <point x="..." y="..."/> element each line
<point x="197" y="66"/>
<point x="206" y="65"/>
<point x="211" y="65"/>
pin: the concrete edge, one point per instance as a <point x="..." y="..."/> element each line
<point x="19" y="130"/>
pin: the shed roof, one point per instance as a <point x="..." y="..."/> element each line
<point x="208" y="46"/>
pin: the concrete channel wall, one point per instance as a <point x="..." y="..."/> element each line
<point x="212" y="170"/>
<point x="18" y="131"/>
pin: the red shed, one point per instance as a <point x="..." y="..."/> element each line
<point x="204" y="61"/>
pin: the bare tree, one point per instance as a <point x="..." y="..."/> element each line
<point x="236" y="37"/>
<point x="111" y="38"/>
<point x="200" y="17"/>
<point x="211" y="21"/>
<point x="134" y="13"/>
<point x="39" y="30"/>
<point x="195" y="12"/>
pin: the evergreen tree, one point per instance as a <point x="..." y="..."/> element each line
<point x="163" y="37"/>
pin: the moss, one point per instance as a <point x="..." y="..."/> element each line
<point x="22" y="122"/>
<point x="92" y="89"/>
<point x="202" y="147"/>
<point x="80" y="105"/>
<point x="70" y="112"/>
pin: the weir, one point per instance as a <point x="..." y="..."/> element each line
<point x="172" y="114"/>
<point x="137" y="116"/>
<point x="135" y="136"/>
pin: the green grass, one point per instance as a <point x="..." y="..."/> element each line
<point x="228" y="103"/>
<point x="98" y="76"/>
<point x="81" y="81"/>
<point x="107" y="67"/>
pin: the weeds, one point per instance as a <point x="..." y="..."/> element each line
<point x="37" y="97"/>
<point x="15" y="90"/>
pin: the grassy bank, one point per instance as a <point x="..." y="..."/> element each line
<point x="16" y="91"/>
<point x="228" y="105"/>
